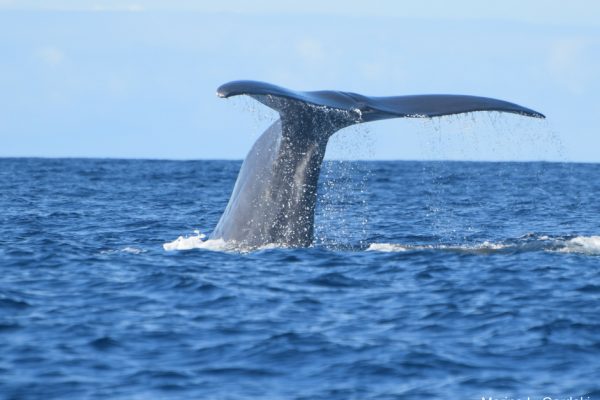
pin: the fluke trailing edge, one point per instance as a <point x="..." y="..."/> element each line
<point x="275" y="194"/>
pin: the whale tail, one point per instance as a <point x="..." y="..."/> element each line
<point x="274" y="197"/>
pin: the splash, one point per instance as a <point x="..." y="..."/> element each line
<point x="343" y="186"/>
<point x="199" y="241"/>
<point x="489" y="136"/>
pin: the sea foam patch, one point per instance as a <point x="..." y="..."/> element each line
<point x="387" y="247"/>
<point x="582" y="244"/>
<point x="394" y="247"/>
<point x="198" y="241"/>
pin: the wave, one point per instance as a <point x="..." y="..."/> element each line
<point x="589" y="245"/>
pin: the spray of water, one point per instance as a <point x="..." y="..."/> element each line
<point x="490" y="136"/>
<point x="344" y="189"/>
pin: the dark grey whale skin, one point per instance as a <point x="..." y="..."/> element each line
<point x="274" y="197"/>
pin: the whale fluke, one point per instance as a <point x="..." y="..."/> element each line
<point x="376" y="108"/>
<point x="274" y="197"/>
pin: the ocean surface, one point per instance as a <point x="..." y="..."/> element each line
<point x="427" y="280"/>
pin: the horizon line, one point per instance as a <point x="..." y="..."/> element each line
<point x="108" y="158"/>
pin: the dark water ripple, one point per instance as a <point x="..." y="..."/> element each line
<point x="485" y="288"/>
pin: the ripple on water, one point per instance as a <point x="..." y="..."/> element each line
<point x="9" y="304"/>
<point x="104" y="343"/>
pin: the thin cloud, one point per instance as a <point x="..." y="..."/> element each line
<point x="118" y="7"/>
<point x="567" y="63"/>
<point x="51" y="55"/>
<point x="310" y="50"/>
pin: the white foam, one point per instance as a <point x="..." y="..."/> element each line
<point x="583" y="244"/>
<point x="128" y="249"/>
<point x="132" y="250"/>
<point x="396" y="247"/>
<point x="589" y="245"/>
<point x="386" y="247"/>
<point x="491" y="246"/>
<point x="199" y="241"/>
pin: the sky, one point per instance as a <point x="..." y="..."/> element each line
<point x="137" y="79"/>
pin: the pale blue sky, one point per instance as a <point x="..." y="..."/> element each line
<point x="138" y="78"/>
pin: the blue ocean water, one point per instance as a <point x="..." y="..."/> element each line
<point x="441" y="280"/>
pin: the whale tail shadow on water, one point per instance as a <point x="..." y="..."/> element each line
<point x="274" y="197"/>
